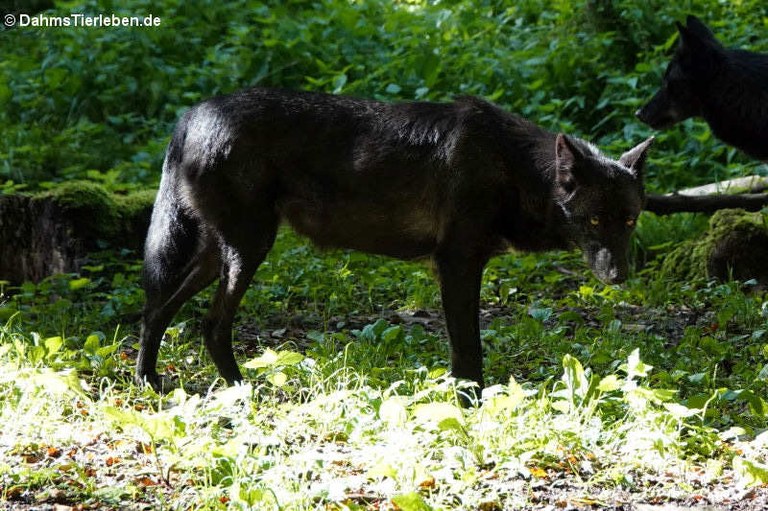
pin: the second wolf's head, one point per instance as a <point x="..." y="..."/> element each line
<point x="695" y="62"/>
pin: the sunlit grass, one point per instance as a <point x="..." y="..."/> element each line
<point x="364" y="416"/>
<point x="315" y="437"/>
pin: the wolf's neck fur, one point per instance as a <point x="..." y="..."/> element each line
<point x="735" y="102"/>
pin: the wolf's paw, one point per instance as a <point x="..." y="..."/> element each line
<point x="159" y="383"/>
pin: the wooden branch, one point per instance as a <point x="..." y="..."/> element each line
<point x="677" y="203"/>
<point x="709" y="198"/>
<point x="746" y="184"/>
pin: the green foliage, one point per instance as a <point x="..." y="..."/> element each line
<point x="95" y="102"/>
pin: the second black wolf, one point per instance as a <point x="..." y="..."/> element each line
<point x="455" y="182"/>
<point x="728" y="88"/>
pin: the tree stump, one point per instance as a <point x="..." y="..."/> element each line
<point x="734" y="247"/>
<point x="53" y="232"/>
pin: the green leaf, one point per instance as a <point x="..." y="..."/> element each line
<point x="750" y="473"/>
<point x="680" y="411"/>
<point x="540" y="313"/>
<point x="339" y="82"/>
<point x="411" y="502"/>
<point x="393" y="412"/>
<point x="273" y="359"/>
<point x="393" y="88"/>
<point x="437" y="412"/>
<point x="80" y="283"/>
<point x="763" y="374"/>
<point x="288" y="358"/>
<point x="267" y="359"/>
<point x="586" y="292"/>
<point x="451" y="424"/>
<point x="757" y="405"/>
<point x="575" y="380"/>
<point x="382" y="469"/>
<point x="53" y="345"/>
<point x="610" y="383"/>
<point x="634" y="366"/>
<point x="59" y="383"/>
<point x="92" y="345"/>
<point x="392" y="333"/>
<point x="277" y="379"/>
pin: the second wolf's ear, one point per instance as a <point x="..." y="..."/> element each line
<point x="567" y="155"/>
<point x="696" y="35"/>
<point x="634" y="159"/>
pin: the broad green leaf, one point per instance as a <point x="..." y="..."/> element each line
<point x="272" y="358"/>
<point x="610" y="383"/>
<point x="634" y="366"/>
<point x="80" y="283"/>
<point x="763" y="374"/>
<point x="575" y="380"/>
<point x="277" y="379"/>
<point x="53" y="345"/>
<point x="437" y="412"/>
<point x="288" y="358"/>
<point x="392" y="333"/>
<point x="451" y="424"/>
<point x="392" y="88"/>
<point x="393" y="411"/>
<point x="411" y="502"/>
<point x="750" y="473"/>
<point x="92" y="344"/>
<point x="586" y="292"/>
<point x="267" y="359"/>
<point x="757" y="405"/>
<point x="59" y="383"/>
<point x="680" y="411"/>
<point x="382" y="469"/>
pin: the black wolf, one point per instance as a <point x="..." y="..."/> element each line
<point x="455" y="182"/>
<point x="728" y="88"/>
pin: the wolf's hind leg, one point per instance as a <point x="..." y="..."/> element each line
<point x="166" y="290"/>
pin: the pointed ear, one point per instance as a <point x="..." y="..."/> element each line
<point x="696" y="26"/>
<point x="567" y="153"/>
<point x="634" y="159"/>
<point x="696" y="35"/>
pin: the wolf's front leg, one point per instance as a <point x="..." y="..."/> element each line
<point x="460" y="288"/>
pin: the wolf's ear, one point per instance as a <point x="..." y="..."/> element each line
<point x="634" y="159"/>
<point x="567" y="154"/>
<point x="696" y="35"/>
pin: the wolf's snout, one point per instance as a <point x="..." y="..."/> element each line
<point x="607" y="268"/>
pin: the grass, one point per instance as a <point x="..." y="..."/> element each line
<point x="653" y="392"/>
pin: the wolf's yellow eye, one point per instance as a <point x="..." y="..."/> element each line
<point x="630" y="222"/>
<point x="594" y="220"/>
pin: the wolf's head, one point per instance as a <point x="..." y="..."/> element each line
<point x="694" y="63"/>
<point x="601" y="200"/>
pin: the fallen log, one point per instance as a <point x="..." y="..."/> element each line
<point x="678" y="203"/>
<point x="738" y="193"/>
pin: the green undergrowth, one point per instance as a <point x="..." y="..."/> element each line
<point x="100" y="103"/>
<point x="349" y="404"/>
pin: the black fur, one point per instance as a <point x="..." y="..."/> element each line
<point x="728" y="88"/>
<point x="456" y="182"/>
